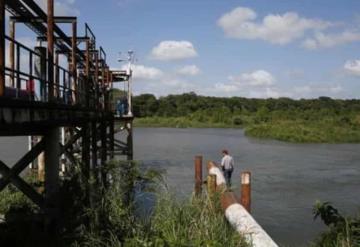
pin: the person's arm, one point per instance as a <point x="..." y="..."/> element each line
<point x="232" y="163"/>
<point x="222" y="162"/>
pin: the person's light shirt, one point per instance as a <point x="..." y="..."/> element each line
<point x="227" y="162"/>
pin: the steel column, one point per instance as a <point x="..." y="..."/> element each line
<point x="2" y="47"/>
<point x="50" y="46"/>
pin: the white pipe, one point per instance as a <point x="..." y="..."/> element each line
<point x="245" y="224"/>
<point x="29" y="148"/>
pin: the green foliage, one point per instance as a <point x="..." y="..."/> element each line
<point x="197" y="222"/>
<point x="344" y="232"/>
<point x="312" y="120"/>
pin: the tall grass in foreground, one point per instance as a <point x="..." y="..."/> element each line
<point x="172" y="222"/>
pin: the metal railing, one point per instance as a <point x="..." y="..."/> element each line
<point x="26" y="79"/>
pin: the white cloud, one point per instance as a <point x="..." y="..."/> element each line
<point x="173" y="50"/>
<point x="352" y="67"/>
<point x="145" y="73"/>
<point x="321" y="40"/>
<point x="61" y="8"/>
<point x="316" y="90"/>
<point x="256" y="84"/>
<point x="191" y="70"/>
<point x="255" y="78"/>
<point x="241" y="23"/>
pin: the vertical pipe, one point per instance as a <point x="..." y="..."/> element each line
<point x="211" y="184"/>
<point x="130" y="94"/>
<point x="41" y="166"/>
<point x="73" y="61"/>
<point x="87" y="72"/>
<point x="63" y="163"/>
<point x="2" y="47"/>
<point x="12" y="53"/>
<point x="246" y="190"/>
<point x="97" y="79"/>
<point x="57" y="77"/>
<point x="29" y="148"/>
<point x="18" y="79"/>
<point x="50" y="45"/>
<point x="198" y="174"/>
<point x="130" y="155"/>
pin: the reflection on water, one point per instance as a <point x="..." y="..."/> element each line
<point x="286" y="178"/>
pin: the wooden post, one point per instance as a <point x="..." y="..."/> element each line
<point x="198" y="174"/>
<point x="246" y="190"/>
<point x="211" y="184"/>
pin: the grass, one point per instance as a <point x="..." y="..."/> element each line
<point x="297" y="130"/>
<point x="110" y="220"/>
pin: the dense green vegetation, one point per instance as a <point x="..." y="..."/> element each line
<point x="305" y="120"/>
<point x="342" y="231"/>
<point x="110" y="220"/>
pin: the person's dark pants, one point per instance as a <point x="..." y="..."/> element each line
<point x="227" y="175"/>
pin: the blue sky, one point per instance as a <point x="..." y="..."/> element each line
<point x="257" y="48"/>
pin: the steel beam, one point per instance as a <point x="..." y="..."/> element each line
<point x="32" y="19"/>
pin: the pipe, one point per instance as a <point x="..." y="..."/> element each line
<point x="244" y="223"/>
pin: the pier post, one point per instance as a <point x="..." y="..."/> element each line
<point x="246" y="190"/>
<point x="198" y="174"/>
<point x="211" y="184"/>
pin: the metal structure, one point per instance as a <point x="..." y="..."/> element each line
<point x="41" y="98"/>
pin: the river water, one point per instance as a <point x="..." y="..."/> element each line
<point x="287" y="179"/>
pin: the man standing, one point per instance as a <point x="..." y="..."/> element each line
<point x="227" y="165"/>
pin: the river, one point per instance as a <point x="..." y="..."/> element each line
<point x="287" y="178"/>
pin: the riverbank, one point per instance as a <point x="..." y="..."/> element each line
<point x="296" y="131"/>
<point x="321" y="120"/>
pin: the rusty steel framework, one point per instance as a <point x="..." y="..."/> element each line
<point x="41" y="98"/>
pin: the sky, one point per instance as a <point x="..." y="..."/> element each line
<point x="248" y="48"/>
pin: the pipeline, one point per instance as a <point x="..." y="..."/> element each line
<point x="236" y="214"/>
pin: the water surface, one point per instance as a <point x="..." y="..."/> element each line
<point x="287" y="178"/>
